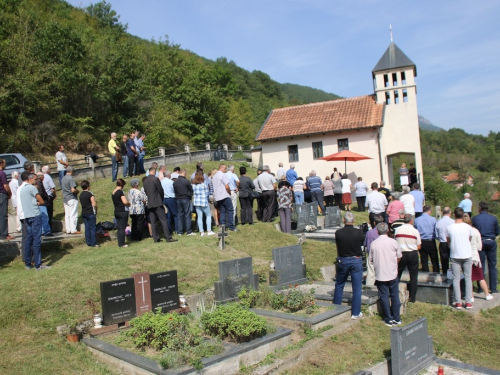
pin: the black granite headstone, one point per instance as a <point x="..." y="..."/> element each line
<point x="118" y="301"/>
<point x="235" y="274"/>
<point x="164" y="291"/>
<point x="333" y="217"/>
<point x="411" y="348"/>
<point x="299" y="215"/>
<point x="216" y="155"/>
<point x="312" y="213"/>
<point x="288" y="267"/>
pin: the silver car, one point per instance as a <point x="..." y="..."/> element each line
<point x="15" y="162"/>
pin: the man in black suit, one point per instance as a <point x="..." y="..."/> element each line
<point x="154" y="192"/>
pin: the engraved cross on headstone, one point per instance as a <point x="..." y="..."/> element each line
<point x="222" y="237"/>
<point x="142" y="282"/>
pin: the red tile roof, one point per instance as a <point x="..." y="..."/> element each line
<point x="495" y="196"/>
<point x="453" y="177"/>
<point x="335" y="115"/>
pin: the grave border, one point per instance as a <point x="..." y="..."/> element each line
<point x="252" y="353"/>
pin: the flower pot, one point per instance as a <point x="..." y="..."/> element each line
<point x="73" y="337"/>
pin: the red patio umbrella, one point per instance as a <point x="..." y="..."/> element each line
<point x="345" y="155"/>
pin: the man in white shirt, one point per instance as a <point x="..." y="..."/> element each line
<point x="376" y="203"/>
<point x="222" y="197"/>
<point x="234" y="185"/>
<point x="408" y="201"/>
<point x="267" y="184"/>
<point x="442" y="237"/>
<point x="14" y="186"/>
<point x="280" y="172"/>
<point x="50" y="188"/>
<point x="459" y="235"/>
<point x="62" y="163"/>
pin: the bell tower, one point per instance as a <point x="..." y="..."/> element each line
<point x="394" y="87"/>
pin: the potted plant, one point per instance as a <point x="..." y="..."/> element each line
<point x="72" y="334"/>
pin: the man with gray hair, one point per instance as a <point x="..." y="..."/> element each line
<point x="70" y="194"/>
<point x="280" y="172"/>
<point x="385" y="255"/>
<point x="291" y="175"/>
<point x="408" y="201"/>
<point x="349" y="262"/>
<point x="410" y="243"/>
<point x="315" y="185"/>
<point x="267" y="184"/>
<point x="234" y="185"/>
<point x="442" y="236"/>
<point x="382" y="189"/>
<point x="466" y="205"/>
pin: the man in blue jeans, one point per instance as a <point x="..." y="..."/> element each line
<point x="349" y="262"/>
<point x="316" y="186"/>
<point x="222" y="196"/>
<point x="487" y="225"/>
<point x="30" y="200"/>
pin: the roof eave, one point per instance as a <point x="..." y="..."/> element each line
<point x="322" y="132"/>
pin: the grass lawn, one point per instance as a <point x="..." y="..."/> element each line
<point x="470" y="338"/>
<point x="35" y="303"/>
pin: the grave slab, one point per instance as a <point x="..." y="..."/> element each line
<point x="288" y="267"/>
<point x="142" y="292"/>
<point x="118" y="301"/>
<point x="411" y="348"/>
<point x="235" y="274"/>
<point x="164" y="291"/>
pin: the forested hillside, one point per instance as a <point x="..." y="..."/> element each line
<point x="74" y="75"/>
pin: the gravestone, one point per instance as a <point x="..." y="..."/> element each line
<point x="216" y="155"/>
<point x="164" y="291"/>
<point x="222" y="234"/>
<point x="234" y="275"/>
<point x="142" y="292"/>
<point x="299" y="215"/>
<point x="312" y="213"/>
<point x="411" y="348"/>
<point x="333" y="217"/>
<point x="118" y="301"/>
<point x="288" y="267"/>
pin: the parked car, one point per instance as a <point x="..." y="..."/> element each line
<point x="15" y="162"/>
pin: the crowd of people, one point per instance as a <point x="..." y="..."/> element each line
<point x="403" y="237"/>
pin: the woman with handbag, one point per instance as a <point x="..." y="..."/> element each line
<point x="246" y="197"/>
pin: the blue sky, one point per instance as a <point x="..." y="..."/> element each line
<point x="334" y="45"/>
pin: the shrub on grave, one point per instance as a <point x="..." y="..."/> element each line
<point x="160" y="331"/>
<point x="234" y="322"/>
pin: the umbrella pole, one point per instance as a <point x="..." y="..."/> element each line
<point x="345" y="166"/>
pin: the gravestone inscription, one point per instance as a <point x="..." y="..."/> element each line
<point x="118" y="301"/>
<point x="288" y="267"/>
<point x="411" y="348"/>
<point x="164" y="291"/>
<point x="235" y="274"/>
<point x="142" y="292"/>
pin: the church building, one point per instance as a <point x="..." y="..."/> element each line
<point x="382" y="126"/>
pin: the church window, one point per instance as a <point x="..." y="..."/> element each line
<point x="396" y="97"/>
<point x="387" y="98"/>
<point x="405" y="96"/>
<point x="386" y="80"/>
<point x="317" y="150"/>
<point x="403" y="78"/>
<point x="394" y="79"/>
<point x="343" y="144"/>
<point x="293" y="153"/>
